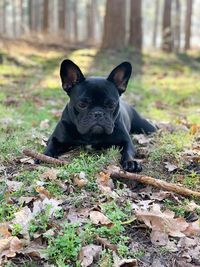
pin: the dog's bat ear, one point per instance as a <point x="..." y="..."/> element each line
<point x="70" y="74"/>
<point x="120" y="76"/>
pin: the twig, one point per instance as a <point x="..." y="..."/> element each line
<point x="104" y="242"/>
<point x="156" y="183"/>
<point x="44" y="158"/>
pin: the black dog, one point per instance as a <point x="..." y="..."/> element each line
<point x="96" y="116"/>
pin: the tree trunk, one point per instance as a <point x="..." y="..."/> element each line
<point x="167" y="41"/>
<point x="31" y="15"/>
<point x="155" y="24"/>
<point x="45" y="15"/>
<point x="61" y="17"/>
<point x="14" y="20"/>
<point x="91" y="22"/>
<point x="75" y="20"/>
<point x="68" y="21"/>
<point x="177" y="27"/>
<point x="4" y="17"/>
<point x="135" y="38"/>
<point x="114" y="24"/>
<point x="188" y="20"/>
<point x="22" y="17"/>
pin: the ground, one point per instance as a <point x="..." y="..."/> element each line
<point x="75" y="215"/>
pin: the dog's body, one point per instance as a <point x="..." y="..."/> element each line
<point x="96" y="116"/>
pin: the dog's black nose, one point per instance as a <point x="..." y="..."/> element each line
<point x="98" y="114"/>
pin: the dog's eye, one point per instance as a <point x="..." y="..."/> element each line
<point x="110" y="105"/>
<point x="82" y="105"/>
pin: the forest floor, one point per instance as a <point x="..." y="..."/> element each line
<point x="75" y="215"/>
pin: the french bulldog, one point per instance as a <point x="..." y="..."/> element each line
<point x="96" y="116"/>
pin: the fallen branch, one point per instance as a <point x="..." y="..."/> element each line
<point x="44" y="158"/>
<point x="155" y="182"/>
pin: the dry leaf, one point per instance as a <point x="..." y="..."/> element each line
<point x="39" y="206"/>
<point x="26" y="200"/>
<point x="50" y="174"/>
<point x="163" y="221"/>
<point x="75" y="215"/>
<point x="142" y="139"/>
<point x="170" y="167"/>
<point x="194" y="128"/>
<point x="27" y="160"/>
<point x="160" y="195"/>
<point x="10" y="246"/>
<point x="99" y="218"/>
<point x="186" y="242"/>
<point x="34" y="250"/>
<point x="44" y="124"/>
<point x="159" y="238"/>
<point x="88" y="254"/>
<point x="13" y="185"/>
<point x="192" y="206"/>
<point x="43" y="192"/>
<point x="80" y="182"/>
<point x="23" y="217"/>
<point x="123" y="262"/>
<point x="104" y="182"/>
<point x="193" y="228"/>
<point x="80" y="179"/>
<point x="4" y="231"/>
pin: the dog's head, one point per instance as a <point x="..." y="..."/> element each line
<point x="94" y="101"/>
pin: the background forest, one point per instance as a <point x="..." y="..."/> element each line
<point x="171" y="24"/>
<point x="78" y="214"/>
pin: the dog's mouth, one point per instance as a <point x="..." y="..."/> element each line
<point x="97" y="129"/>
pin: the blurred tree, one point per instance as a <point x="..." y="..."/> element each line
<point x="22" y="17"/>
<point x="155" y="24"/>
<point x="114" y="24"/>
<point x="135" y="38"/>
<point x="61" y="16"/>
<point x="188" y="20"/>
<point x="14" y="18"/>
<point x="75" y="20"/>
<point x="45" y="15"/>
<point x="31" y="15"/>
<point x="91" y="21"/>
<point x="167" y="40"/>
<point x="177" y="27"/>
<point x="4" y="5"/>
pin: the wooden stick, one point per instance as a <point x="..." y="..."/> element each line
<point x="44" y="158"/>
<point x="156" y="183"/>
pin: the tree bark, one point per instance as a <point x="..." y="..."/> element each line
<point x="22" y="19"/>
<point x="4" y="17"/>
<point x="177" y="27"/>
<point x="61" y="17"/>
<point x="135" y="38"/>
<point x="188" y="20"/>
<point x="155" y="24"/>
<point x="114" y="25"/>
<point x="167" y="41"/>
<point x="75" y="20"/>
<point x="91" y="21"/>
<point x="45" y="15"/>
<point x="68" y="21"/>
<point x="14" y="20"/>
<point x="31" y="15"/>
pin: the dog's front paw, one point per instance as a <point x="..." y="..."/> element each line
<point x="131" y="166"/>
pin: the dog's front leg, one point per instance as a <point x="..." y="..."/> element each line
<point x="127" y="160"/>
